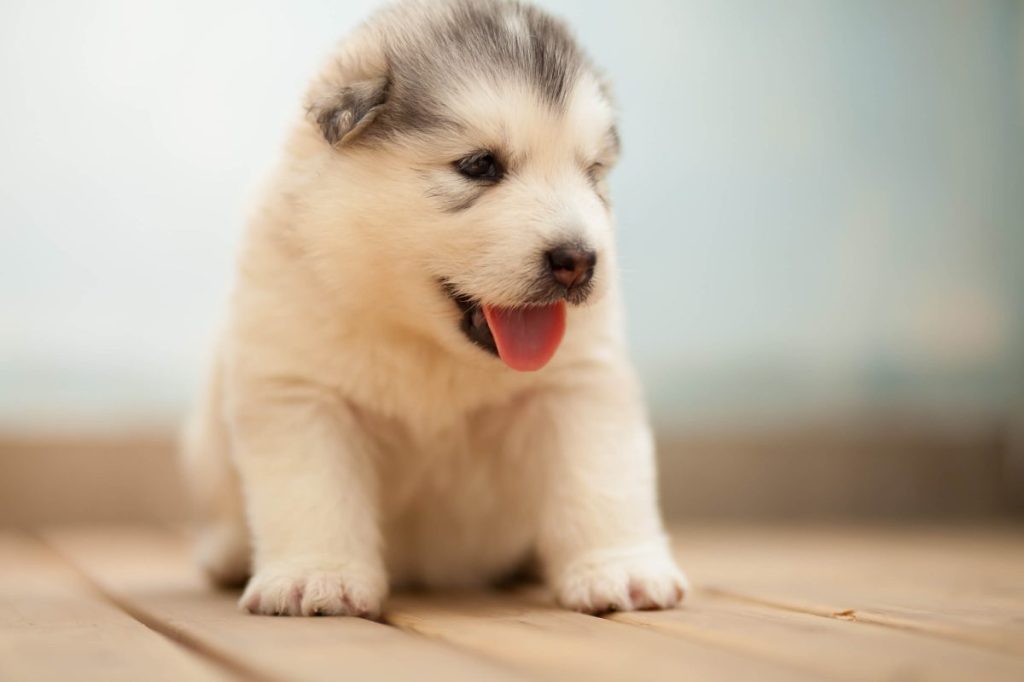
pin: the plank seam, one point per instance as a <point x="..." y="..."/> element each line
<point x="866" y="616"/>
<point x="511" y="668"/>
<point x="191" y="644"/>
<point x="729" y="645"/>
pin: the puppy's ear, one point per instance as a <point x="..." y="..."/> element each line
<point x="343" y="114"/>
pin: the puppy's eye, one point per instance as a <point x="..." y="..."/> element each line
<point x="481" y="166"/>
<point x="596" y="171"/>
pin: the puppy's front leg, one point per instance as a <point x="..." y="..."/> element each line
<point x="311" y="502"/>
<point x="601" y="538"/>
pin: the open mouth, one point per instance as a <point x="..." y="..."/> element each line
<point x="524" y="337"/>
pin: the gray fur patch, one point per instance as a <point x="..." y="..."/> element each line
<point x="347" y="112"/>
<point x="450" y="44"/>
<point x="431" y="49"/>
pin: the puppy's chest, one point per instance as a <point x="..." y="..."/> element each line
<point x="452" y="460"/>
<point x="458" y="506"/>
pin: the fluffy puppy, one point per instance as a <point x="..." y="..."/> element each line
<point x="422" y="379"/>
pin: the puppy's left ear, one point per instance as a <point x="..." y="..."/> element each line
<point x="343" y="114"/>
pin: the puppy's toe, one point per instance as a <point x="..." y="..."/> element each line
<point x="298" y="591"/>
<point x="621" y="581"/>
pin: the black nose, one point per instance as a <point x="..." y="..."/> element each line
<point x="572" y="266"/>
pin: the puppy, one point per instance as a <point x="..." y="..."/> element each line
<point x="422" y="379"/>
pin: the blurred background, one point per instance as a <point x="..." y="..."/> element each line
<point x="821" y="209"/>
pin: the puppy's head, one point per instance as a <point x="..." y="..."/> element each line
<point x="463" y="145"/>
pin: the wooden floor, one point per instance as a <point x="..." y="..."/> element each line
<point x="845" y="603"/>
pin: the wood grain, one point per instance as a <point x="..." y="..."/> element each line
<point x="555" y="644"/>
<point x="149" y="572"/>
<point x="53" y="626"/>
<point x="962" y="584"/>
<point x="839" y="649"/>
<point x="770" y="603"/>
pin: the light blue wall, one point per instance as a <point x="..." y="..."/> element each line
<point x="821" y="204"/>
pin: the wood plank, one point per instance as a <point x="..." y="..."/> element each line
<point x="555" y="644"/>
<point x="150" y="572"/>
<point x="961" y="584"/>
<point x="755" y="615"/>
<point x="54" y="626"/>
<point x="832" y="648"/>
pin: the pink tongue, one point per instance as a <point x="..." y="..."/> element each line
<point x="528" y="337"/>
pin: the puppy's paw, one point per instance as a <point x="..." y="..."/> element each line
<point x="621" y="580"/>
<point x="315" y="590"/>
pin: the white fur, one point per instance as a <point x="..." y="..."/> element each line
<point x="375" y="445"/>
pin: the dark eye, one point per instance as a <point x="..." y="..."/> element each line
<point x="596" y="171"/>
<point x="481" y="166"/>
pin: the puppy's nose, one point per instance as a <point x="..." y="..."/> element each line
<point x="572" y="266"/>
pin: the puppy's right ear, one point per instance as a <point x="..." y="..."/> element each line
<point x="343" y="114"/>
